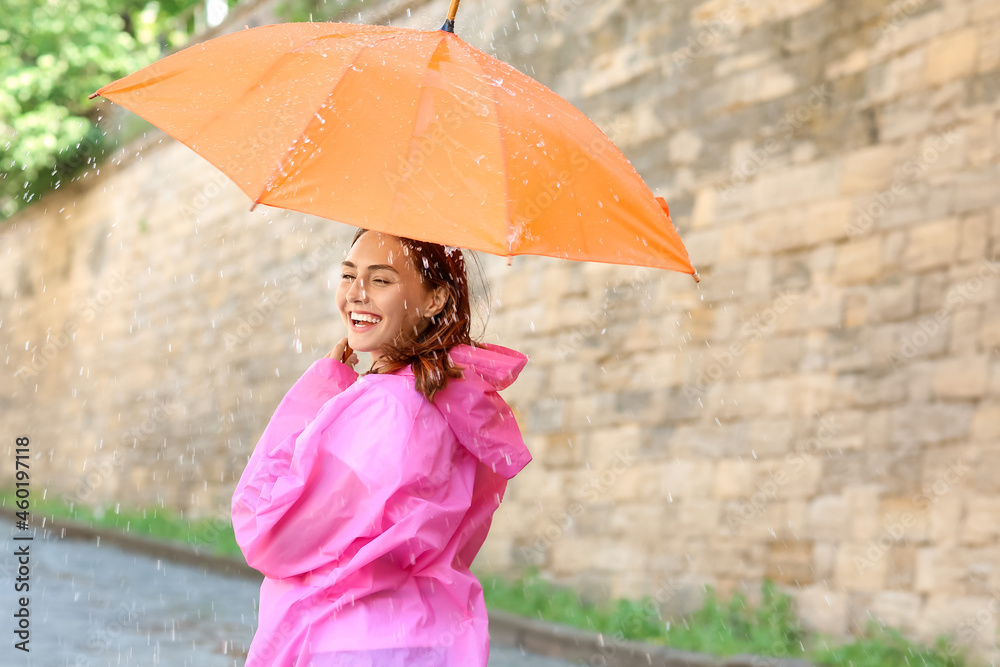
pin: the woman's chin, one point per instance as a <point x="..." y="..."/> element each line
<point x="359" y="343"/>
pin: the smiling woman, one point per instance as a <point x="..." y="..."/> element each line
<point x="367" y="497"/>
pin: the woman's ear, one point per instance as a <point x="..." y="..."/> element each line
<point x="439" y="299"/>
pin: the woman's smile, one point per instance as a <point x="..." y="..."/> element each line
<point x="363" y="321"/>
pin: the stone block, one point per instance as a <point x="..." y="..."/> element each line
<point x="828" y="518"/>
<point x="930" y="423"/>
<point x="945" y="520"/>
<point x="816" y="185"/>
<point x="962" y="378"/>
<point x="858" y="261"/>
<point x="769" y="437"/>
<point x="561" y="450"/>
<point x="823" y="609"/>
<point x="855" y="310"/>
<point x="865" y="521"/>
<point x="966" y="328"/>
<point x="951" y="56"/>
<point x="974" y="236"/>
<point x="930" y="245"/>
<point x="948" y="614"/>
<point x="796" y="476"/>
<point x="986" y="423"/>
<point x="610" y="451"/>
<point x="735" y="478"/>
<point x="990" y="330"/>
<point x="892" y="300"/>
<point x="898" y="609"/>
<point x="980" y="526"/>
<point x="902" y="568"/>
<point x="697" y="518"/>
<point x="895" y="346"/>
<point x="686" y="480"/>
<point x="861" y="568"/>
<point x="901" y="75"/>
<point x="976" y="190"/>
<point x="790" y="562"/>
<point x="869" y="169"/>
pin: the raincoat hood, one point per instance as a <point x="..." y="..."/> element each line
<point x="479" y="418"/>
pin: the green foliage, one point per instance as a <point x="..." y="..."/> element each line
<point x="886" y="647"/>
<point x="216" y="535"/>
<point x="316" y="10"/>
<point x="771" y="629"/>
<point x="53" y="54"/>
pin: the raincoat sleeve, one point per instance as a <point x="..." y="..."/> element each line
<point x="256" y="496"/>
<point x="338" y="486"/>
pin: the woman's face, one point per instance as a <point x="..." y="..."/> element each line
<point x="381" y="293"/>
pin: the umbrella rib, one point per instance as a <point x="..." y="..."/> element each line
<point x="312" y="119"/>
<point x="423" y="89"/>
<point x="504" y="160"/>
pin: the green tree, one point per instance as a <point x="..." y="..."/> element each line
<point x="53" y="54"/>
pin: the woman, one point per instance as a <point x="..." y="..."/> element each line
<point x="367" y="497"/>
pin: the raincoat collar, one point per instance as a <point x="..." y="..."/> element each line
<point x="497" y="365"/>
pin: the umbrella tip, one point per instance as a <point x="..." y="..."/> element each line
<point x="449" y="26"/>
<point x="92" y="96"/>
<point x="696" y="277"/>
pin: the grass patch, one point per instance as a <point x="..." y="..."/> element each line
<point x="771" y="629"/>
<point x="215" y="535"/>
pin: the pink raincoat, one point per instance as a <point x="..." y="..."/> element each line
<point x="363" y="505"/>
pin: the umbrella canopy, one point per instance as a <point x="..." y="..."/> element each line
<point x="409" y="132"/>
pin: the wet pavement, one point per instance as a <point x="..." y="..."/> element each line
<point x="93" y="605"/>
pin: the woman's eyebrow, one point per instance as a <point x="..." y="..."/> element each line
<point x="371" y="267"/>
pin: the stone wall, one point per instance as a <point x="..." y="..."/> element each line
<point x="822" y="410"/>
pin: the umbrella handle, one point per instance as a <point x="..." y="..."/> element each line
<point x="449" y="22"/>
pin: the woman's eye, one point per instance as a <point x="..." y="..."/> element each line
<point x="380" y="281"/>
<point x="346" y="276"/>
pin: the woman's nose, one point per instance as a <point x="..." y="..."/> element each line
<point x="357" y="290"/>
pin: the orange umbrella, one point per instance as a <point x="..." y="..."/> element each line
<point x="409" y="132"/>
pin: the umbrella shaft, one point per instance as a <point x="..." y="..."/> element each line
<point x="453" y="10"/>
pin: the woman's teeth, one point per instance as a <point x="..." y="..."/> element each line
<point x="362" y="317"/>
